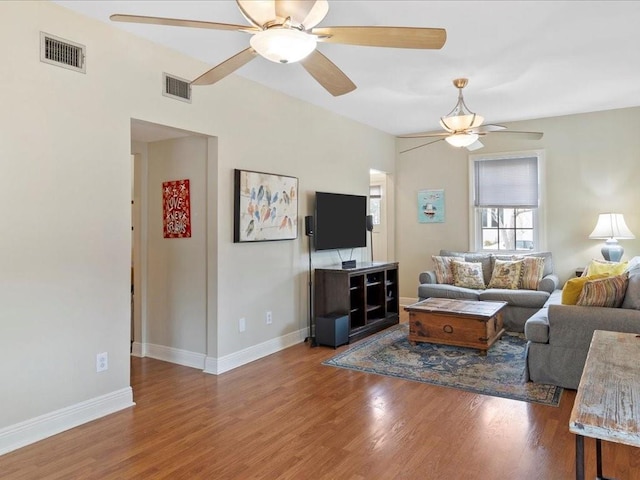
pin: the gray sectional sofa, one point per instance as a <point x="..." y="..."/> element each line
<point x="521" y="304"/>
<point x="558" y="336"/>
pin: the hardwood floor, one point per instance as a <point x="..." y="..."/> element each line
<point x="289" y="417"/>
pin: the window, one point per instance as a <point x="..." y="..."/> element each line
<point x="506" y="201"/>
<point x="375" y="195"/>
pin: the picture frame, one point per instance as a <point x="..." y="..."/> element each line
<point x="176" y="209"/>
<point x="265" y="207"/>
<point x="431" y="206"/>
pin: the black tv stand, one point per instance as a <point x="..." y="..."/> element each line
<point x="368" y="294"/>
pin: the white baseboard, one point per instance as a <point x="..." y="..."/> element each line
<point x="137" y="349"/>
<point x="214" y="365"/>
<point x="217" y="366"/>
<point x="174" y="355"/>
<point x="39" y="428"/>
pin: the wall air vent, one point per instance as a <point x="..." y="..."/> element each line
<point x="177" y="88"/>
<point x="61" y="52"/>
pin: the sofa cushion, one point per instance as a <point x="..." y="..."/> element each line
<point x="555" y="298"/>
<point x="596" y="267"/>
<point x="537" y="327"/>
<point x="506" y="274"/>
<point x="532" y="272"/>
<point x="519" y="298"/>
<point x="573" y="288"/>
<point x="446" y="291"/>
<point x="632" y="295"/>
<point x="604" y="292"/>
<point x="483" y="258"/>
<point x="467" y="274"/>
<point x="442" y="267"/>
<point x="548" y="261"/>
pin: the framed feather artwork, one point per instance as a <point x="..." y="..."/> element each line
<point x="265" y="207"/>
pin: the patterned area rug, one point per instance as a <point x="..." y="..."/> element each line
<point x="500" y="373"/>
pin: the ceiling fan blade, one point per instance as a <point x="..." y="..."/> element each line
<point x="423" y="145"/>
<point x="396" y="37"/>
<point x="527" y="135"/>
<point x="477" y="145"/>
<point x="298" y="10"/>
<point x="327" y="74"/>
<point x="176" y="22"/>
<point x="425" y="135"/>
<point x="486" y="128"/>
<point x="223" y="69"/>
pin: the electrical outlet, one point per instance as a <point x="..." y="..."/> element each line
<point x="269" y="318"/>
<point x="102" y="362"/>
<point x="242" y="324"/>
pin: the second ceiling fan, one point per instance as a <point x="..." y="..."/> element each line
<point x="463" y="128"/>
<point x="284" y="31"/>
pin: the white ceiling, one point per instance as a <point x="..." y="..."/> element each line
<point x="524" y="60"/>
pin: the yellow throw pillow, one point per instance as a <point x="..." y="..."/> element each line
<point x="573" y="288"/>
<point x="597" y="267"/>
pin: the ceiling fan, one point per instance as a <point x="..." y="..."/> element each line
<point x="284" y="31"/>
<point x="463" y="127"/>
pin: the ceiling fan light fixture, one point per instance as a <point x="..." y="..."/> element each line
<point x="460" y="118"/>
<point x="283" y="45"/>
<point x="461" y="139"/>
<point x="317" y="14"/>
<point x="457" y="123"/>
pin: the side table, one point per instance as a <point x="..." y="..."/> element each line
<point x="605" y="406"/>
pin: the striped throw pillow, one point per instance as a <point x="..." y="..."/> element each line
<point x="532" y="270"/>
<point x="442" y="266"/>
<point x="605" y="292"/>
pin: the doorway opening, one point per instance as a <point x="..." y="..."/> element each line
<point x="381" y="210"/>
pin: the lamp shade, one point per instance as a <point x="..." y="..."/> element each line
<point x="611" y="225"/>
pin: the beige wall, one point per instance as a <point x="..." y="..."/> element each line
<point x="592" y="166"/>
<point x="66" y="173"/>
<point x="176" y="272"/>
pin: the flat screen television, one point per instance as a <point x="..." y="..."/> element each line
<point x="340" y="221"/>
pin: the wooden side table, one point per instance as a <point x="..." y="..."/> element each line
<point x="605" y="406"/>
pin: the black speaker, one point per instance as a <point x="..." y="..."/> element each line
<point x="370" y="223"/>
<point x="308" y="226"/>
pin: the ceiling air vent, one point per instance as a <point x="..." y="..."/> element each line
<point x="61" y="52"/>
<point x="174" y="87"/>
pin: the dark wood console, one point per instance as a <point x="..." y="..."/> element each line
<point x="368" y="294"/>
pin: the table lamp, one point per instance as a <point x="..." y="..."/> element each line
<point x="611" y="226"/>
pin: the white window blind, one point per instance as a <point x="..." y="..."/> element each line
<point x="511" y="182"/>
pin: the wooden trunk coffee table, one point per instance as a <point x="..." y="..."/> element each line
<point x="463" y="323"/>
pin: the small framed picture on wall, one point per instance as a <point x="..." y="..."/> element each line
<point x="431" y="206"/>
